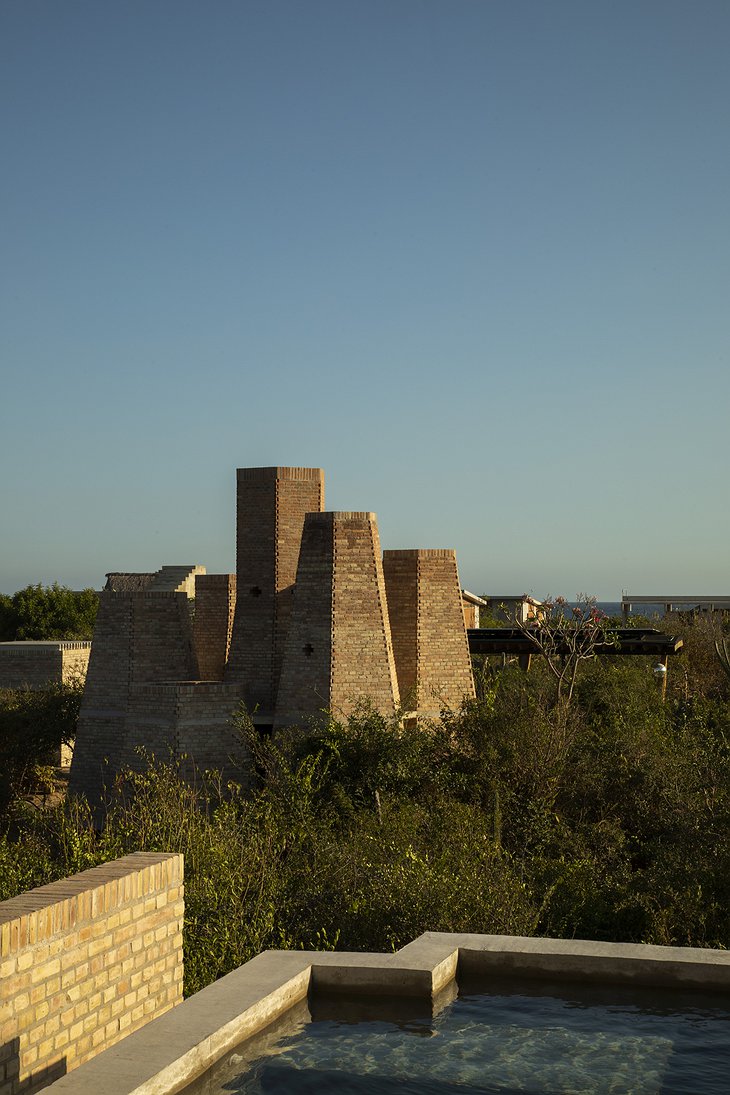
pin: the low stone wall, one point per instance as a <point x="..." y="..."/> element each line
<point x="86" y="961"/>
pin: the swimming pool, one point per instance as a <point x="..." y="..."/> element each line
<point x="521" y="1036"/>
<point x="198" y="1038"/>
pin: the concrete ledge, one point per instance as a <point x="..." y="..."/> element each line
<point x="585" y="960"/>
<point x="181" y="1045"/>
<point x="170" y="1052"/>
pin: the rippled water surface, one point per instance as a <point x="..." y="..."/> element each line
<point x="519" y="1039"/>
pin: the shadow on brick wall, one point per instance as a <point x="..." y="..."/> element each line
<point x="10" y="1082"/>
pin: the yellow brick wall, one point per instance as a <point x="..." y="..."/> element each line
<point x="86" y="961"/>
<point x="429" y="636"/>
<point x="215" y="603"/>
<point x="270" y="508"/>
<point x="38" y="665"/>
<point x="339" y="648"/>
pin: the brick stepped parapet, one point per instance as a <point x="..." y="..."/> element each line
<point x="338" y="648"/>
<point x="139" y="638"/>
<point x="271" y="505"/>
<point x="429" y="637"/>
<point x="86" y="961"/>
<point x="215" y="604"/>
<point x="176" y="579"/>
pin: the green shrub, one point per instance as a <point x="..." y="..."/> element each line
<point x="33" y="726"/>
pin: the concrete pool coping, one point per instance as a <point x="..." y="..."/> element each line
<point x="170" y="1052"/>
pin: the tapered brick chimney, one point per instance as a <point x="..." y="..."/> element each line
<point x="338" y="650"/>
<point x="271" y="504"/>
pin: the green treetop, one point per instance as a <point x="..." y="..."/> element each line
<point x="48" y="612"/>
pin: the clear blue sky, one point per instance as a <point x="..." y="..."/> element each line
<point x="471" y="257"/>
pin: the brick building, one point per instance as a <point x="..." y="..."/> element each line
<point x="36" y="664"/>
<point x="315" y="619"/>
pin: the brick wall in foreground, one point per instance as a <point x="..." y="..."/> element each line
<point x="84" y="962"/>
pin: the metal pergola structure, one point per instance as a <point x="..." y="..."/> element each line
<point x="632" y="641"/>
<point x="617" y="641"/>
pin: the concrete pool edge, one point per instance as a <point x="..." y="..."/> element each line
<point x="170" y="1052"/>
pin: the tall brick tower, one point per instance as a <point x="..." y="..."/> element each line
<point x="271" y="504"/>
<point x="429" y="636"/>
<point x="338" y="649"/>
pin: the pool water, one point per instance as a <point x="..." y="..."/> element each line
<point x="536" y="1039"/>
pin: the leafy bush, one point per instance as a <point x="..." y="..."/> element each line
<point x="33" y="726"/>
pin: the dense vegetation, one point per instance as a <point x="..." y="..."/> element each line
<point x="47" y="612"/>
<point x="605" y="817"/>
<point x="33" y="726"/>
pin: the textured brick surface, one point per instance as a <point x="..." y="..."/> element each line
<point x="190" y="723"/>
<point x="139" y="638"/>
<point x="215" y="603"/>
<point x="429" y="637"/>
<point x="338" y="648"/>
<point x="400" y="572"/>
<point x="291" y="634"/>
<point x="180" y="578"/>
<point x="35" y="665"/>
<point x="86" y="961"/>
<point x="38" y="665"/>
<point x="271" y="504"/>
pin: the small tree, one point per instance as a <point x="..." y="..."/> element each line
<point x="33" y="727"/>
<point x="566" y="637"/>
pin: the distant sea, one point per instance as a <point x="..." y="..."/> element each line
<point x="613" y="608"/>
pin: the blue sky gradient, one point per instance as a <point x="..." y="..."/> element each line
<point x="472" y="258"/>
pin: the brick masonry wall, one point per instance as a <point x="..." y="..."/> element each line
<point x="190" y="723"/>
<point x="362" y="656"/>
<point x="305" y="686"/>
<point x="215" y="604"/>
<point x="100" y="730"/>
<point x="139" y="638"/>
<point x="338" y="649"/>
<point x="86" y="961"/>
<point x="429" y="636"/>
<point x="162" y="638"/>
<point x="271" y="504"/>
<point x="35" y="665"/>
<point x="401" y="587"/>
